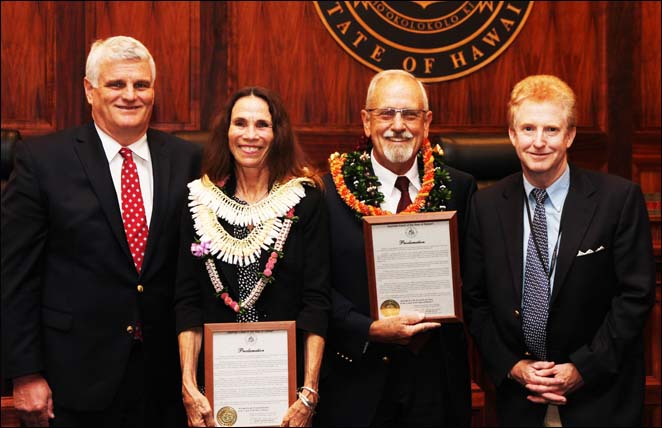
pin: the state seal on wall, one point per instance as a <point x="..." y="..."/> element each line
<point x="434" y="40"/>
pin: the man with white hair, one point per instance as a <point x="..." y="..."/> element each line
<point x="89" y="244"/>
<point x="401" y="370"/>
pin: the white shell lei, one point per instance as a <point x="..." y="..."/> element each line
<point x="261" y="283"/>
<point x="208" y="202"/>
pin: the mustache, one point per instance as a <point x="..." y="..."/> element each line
<point x="405" y="135"/>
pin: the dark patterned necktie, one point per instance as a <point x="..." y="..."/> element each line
<point x="535" y="298"/>
<point x="402" y="184"/>
<point x="133" y="209"/>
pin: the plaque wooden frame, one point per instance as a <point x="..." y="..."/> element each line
<point x="444" y="216"/>
<point x="211" y="329"/>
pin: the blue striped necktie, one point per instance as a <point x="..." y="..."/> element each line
<point x="535" y="298"/>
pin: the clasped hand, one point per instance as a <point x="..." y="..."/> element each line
<point x="399" y="329"/>
<point x="548" y="382"/>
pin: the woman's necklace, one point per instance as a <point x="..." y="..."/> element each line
<point x="265" y="277"/>
<point x="208" y="202"/>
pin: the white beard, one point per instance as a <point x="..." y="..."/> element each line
<point x="398" y="152"/>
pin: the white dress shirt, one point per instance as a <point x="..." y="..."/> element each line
<point x="387" y="183"/>
<point x="143" y="161"/>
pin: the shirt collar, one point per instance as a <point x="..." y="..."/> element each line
<point x="112" y="148"/>
<point x="387" y="177"/>
<point x="556" y="192"/>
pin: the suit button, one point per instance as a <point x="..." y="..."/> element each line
<point x="129" y="329"/>
<point x="517" y="314"/>
<point x="140" y="288"/>
<point x="386" y="360"/>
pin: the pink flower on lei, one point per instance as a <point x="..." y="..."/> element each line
<point x="200" y="249"/>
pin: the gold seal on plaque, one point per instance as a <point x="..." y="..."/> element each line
<point x="389" y="308"/>
<point x="226" y="416"/>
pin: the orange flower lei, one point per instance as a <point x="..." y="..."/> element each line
<point x="336" y="162"/>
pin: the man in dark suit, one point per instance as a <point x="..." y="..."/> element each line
<point x="560" y="276"/>
<point x="401" y="370"/>
<point x="89" y="241"/>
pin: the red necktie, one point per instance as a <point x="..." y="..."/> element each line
<point x="133" y="209"/>
<point x="402" y="184"/>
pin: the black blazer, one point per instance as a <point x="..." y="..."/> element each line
<point x="353" y="381"/>
<point x="299" y="292"/>
<point x="69" y="285"/>
<point x="598" y="306"/>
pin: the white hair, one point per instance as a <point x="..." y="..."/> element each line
<point x="395" y="72"/>
<point x="118" y="48"/>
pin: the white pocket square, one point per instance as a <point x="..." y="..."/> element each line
<point x="589" y="251"/>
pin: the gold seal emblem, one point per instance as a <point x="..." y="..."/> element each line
<point x="389" y="308"/>
<point x="226" y="416"/>
<point x="434" y="40"/>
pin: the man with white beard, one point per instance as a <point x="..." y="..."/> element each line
<point x="402" y="370"/>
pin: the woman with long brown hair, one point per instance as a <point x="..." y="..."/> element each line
<point x="256" y="192"/>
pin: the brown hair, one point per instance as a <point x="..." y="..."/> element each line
<point x="542" y="88"/>
<point x="285" y="159"/>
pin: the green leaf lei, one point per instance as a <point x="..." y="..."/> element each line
<point x="364" y="184"/>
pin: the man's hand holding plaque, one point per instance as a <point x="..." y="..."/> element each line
<point x="400" y="328"/>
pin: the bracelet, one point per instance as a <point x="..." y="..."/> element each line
<point x="306" y="402"/>
<point x="309" y="389"/>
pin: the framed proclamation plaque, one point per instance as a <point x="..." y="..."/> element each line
<point x="414" y="265"/>
<point x="250" y="372"/>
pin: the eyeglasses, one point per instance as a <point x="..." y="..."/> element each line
<point x="388" y="114"/>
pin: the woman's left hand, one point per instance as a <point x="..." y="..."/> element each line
<point x="298" y="415"/>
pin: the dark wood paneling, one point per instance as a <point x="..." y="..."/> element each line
<point x="71" y="53"/>
<point x="322" y="85"/>
<point x="29" y="89"/>
<point x="171" y="31"/>
<point x="648" y="59"/>
<point x="621" y="20"/>
<point x="214" y="76"/>
<point x="558" y="38"/>
<point x="292" y="53"/>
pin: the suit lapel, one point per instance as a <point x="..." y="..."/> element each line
<point x="510" y="215"/>
<point x="161" y="172"/>
<point x="578" y="210"/>
<point x="94" y="161"/>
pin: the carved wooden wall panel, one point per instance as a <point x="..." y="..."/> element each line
<point x="29" y="89"/>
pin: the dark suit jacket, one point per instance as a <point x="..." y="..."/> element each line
<point x="598" y="305"/>
<point x="299" y="292"/>
<point x="69" y="285"/>
<point x="353" y="381"/>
